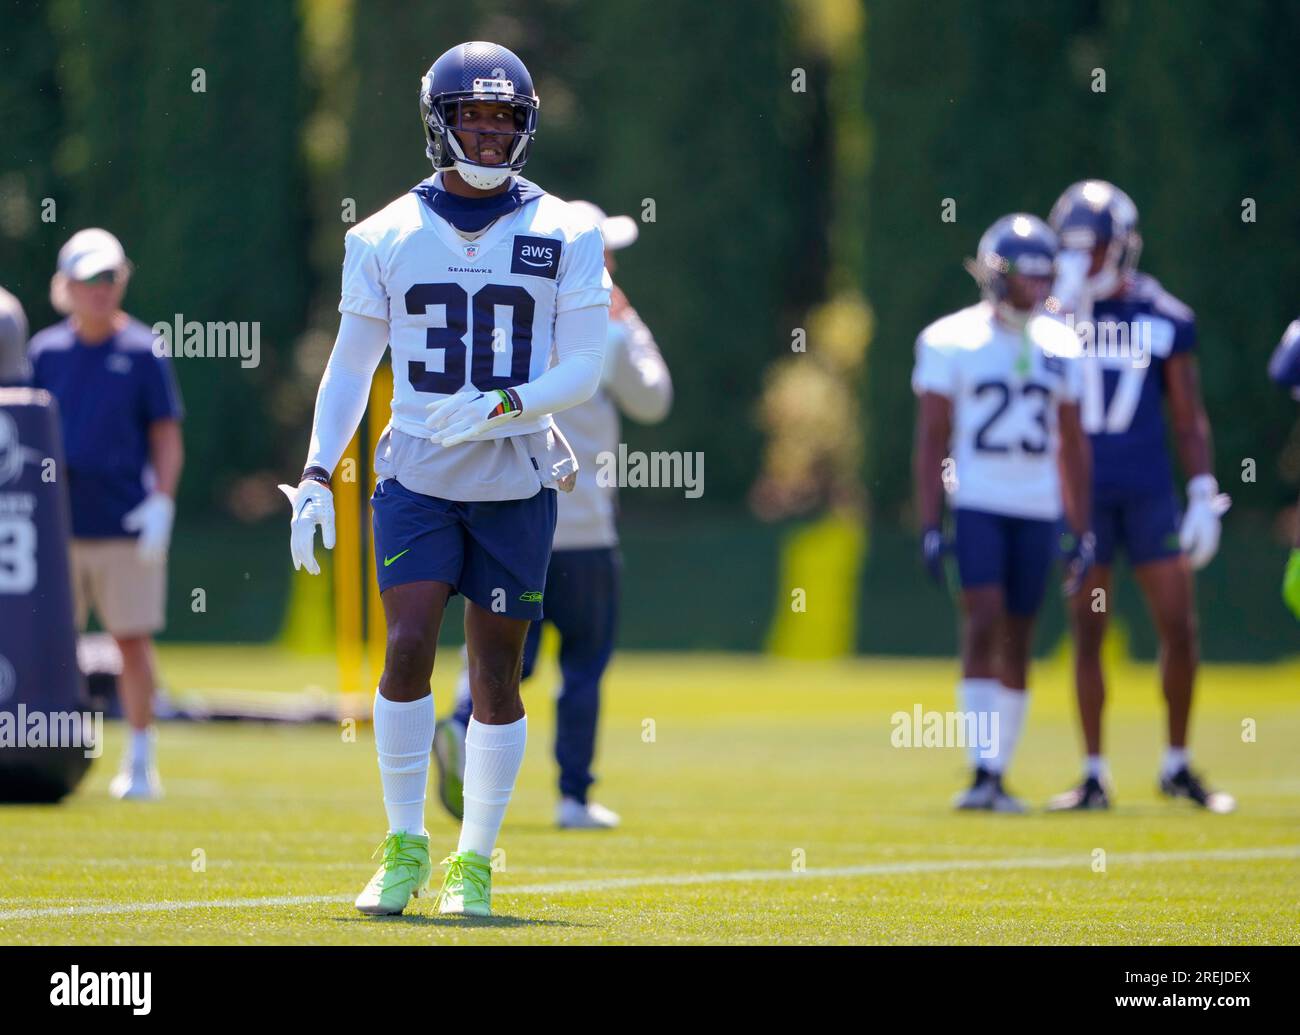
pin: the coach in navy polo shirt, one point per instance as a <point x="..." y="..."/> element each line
<point x="121" y="413"/>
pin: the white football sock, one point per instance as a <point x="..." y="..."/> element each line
<point x="493" y="755"/>
<point x="1095" y="767"/>
<point x="139" y="749"/>
<point x="1011" y="705"/>
<point x="980" y="697"/>
<point x="1175" y="759"/>
<point x="404" y="738"/>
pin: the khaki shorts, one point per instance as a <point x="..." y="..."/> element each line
<point x="128" y="596"/>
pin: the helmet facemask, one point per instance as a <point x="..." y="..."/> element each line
<point x="442" y="123"/>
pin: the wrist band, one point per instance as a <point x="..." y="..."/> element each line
<point x="509" y="402"/>
<point x="315" y="474"/>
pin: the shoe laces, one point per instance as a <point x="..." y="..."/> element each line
<point x="399" y="851"/>
<point x="464" y="871"/>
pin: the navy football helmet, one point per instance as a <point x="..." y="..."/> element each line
<point x="1284" y="366"/>
<point x="477" y="72"/>
<point x="1092" y="213"/>
<point x="1018" y="243"/>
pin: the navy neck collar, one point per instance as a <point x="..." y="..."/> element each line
<point x="473" y="214"/>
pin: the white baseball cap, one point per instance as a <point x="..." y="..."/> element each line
<point x="90" y="252"/>
<point x="618" y="231"/>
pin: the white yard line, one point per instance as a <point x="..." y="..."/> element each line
<point x="681" y="879"/>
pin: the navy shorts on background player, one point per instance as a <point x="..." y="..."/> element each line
<point x="495" y="553"/>
<point x="1145" y="526"/>
<point x="1011" y="552"/>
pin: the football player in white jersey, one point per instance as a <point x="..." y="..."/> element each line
<point x="998" y="429"/>
<point x="494" y="299"/>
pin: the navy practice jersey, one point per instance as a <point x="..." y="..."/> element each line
<point x="1123" y="371"/>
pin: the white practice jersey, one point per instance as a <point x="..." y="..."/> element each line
<point x="479" y="313"/>
<point x="1005" y="386"/>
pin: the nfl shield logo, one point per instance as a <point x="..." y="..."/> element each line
<point x="471" y="251"/>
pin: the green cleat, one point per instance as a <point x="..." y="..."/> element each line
<point x="404" y="874"/>
<point x="467" y="888"/>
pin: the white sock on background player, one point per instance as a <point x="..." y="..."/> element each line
<point x="139" y="752"/>
<point x="1095" y="767"/>
<point x="403" y="739"/>
<point x="1175" y="759"/>
<point x="1011" y="706"/>
<point x="978" y="696"/>
<point x="493" y="755"/>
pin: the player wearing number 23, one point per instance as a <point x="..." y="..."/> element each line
<point x="998" y="385"/>
<point x="493" y="298"/>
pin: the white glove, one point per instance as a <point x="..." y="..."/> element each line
<point x="469" y="413"/>
<point x="313" y="504"/>
<point x="153" y="520"/>
<point x="1199" y="535"/>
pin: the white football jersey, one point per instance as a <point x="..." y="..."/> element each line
<point x="479" y="313"/>
<point x="1005" y="386"/>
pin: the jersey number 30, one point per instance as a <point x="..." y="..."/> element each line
<point x="485" y="339"/>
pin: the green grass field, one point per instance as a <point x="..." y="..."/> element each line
<point x="758" y="769"/>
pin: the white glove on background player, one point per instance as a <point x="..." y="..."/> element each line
<point x="313" y="504"/>
<point x="469" y="413"/>
<point x="153" y="520"/>
<point x="1199" y="535"/>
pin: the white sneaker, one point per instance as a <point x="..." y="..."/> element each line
<point x="136" y="783"/>
<point x="574" y="815"/>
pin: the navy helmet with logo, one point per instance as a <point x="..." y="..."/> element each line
<point x="1018" y="243"/>
<point x="477" y="72"/>
<point x="1094" y="213"/>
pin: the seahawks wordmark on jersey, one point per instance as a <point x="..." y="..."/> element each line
<point x="470" y="313"/>
<point x="1005" y="386"/>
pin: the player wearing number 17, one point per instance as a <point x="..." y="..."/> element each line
<point x="1142" y="356"/>
<point x="998" y="385"/>
<point x="474" y="277"/>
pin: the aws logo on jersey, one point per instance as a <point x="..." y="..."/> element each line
<point x="536" y="256"/>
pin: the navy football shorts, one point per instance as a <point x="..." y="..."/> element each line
<point x="1145" y="526"/>
<point x="495" y="553"/>
<point x="1011" y="552"/>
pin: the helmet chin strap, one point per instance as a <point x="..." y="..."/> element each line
<point x="1104" y="284"/>
<point x="1011" y="316"/>
<point x="480" y="178"/>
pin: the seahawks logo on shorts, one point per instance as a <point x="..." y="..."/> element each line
<point x="533" y="596"/>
